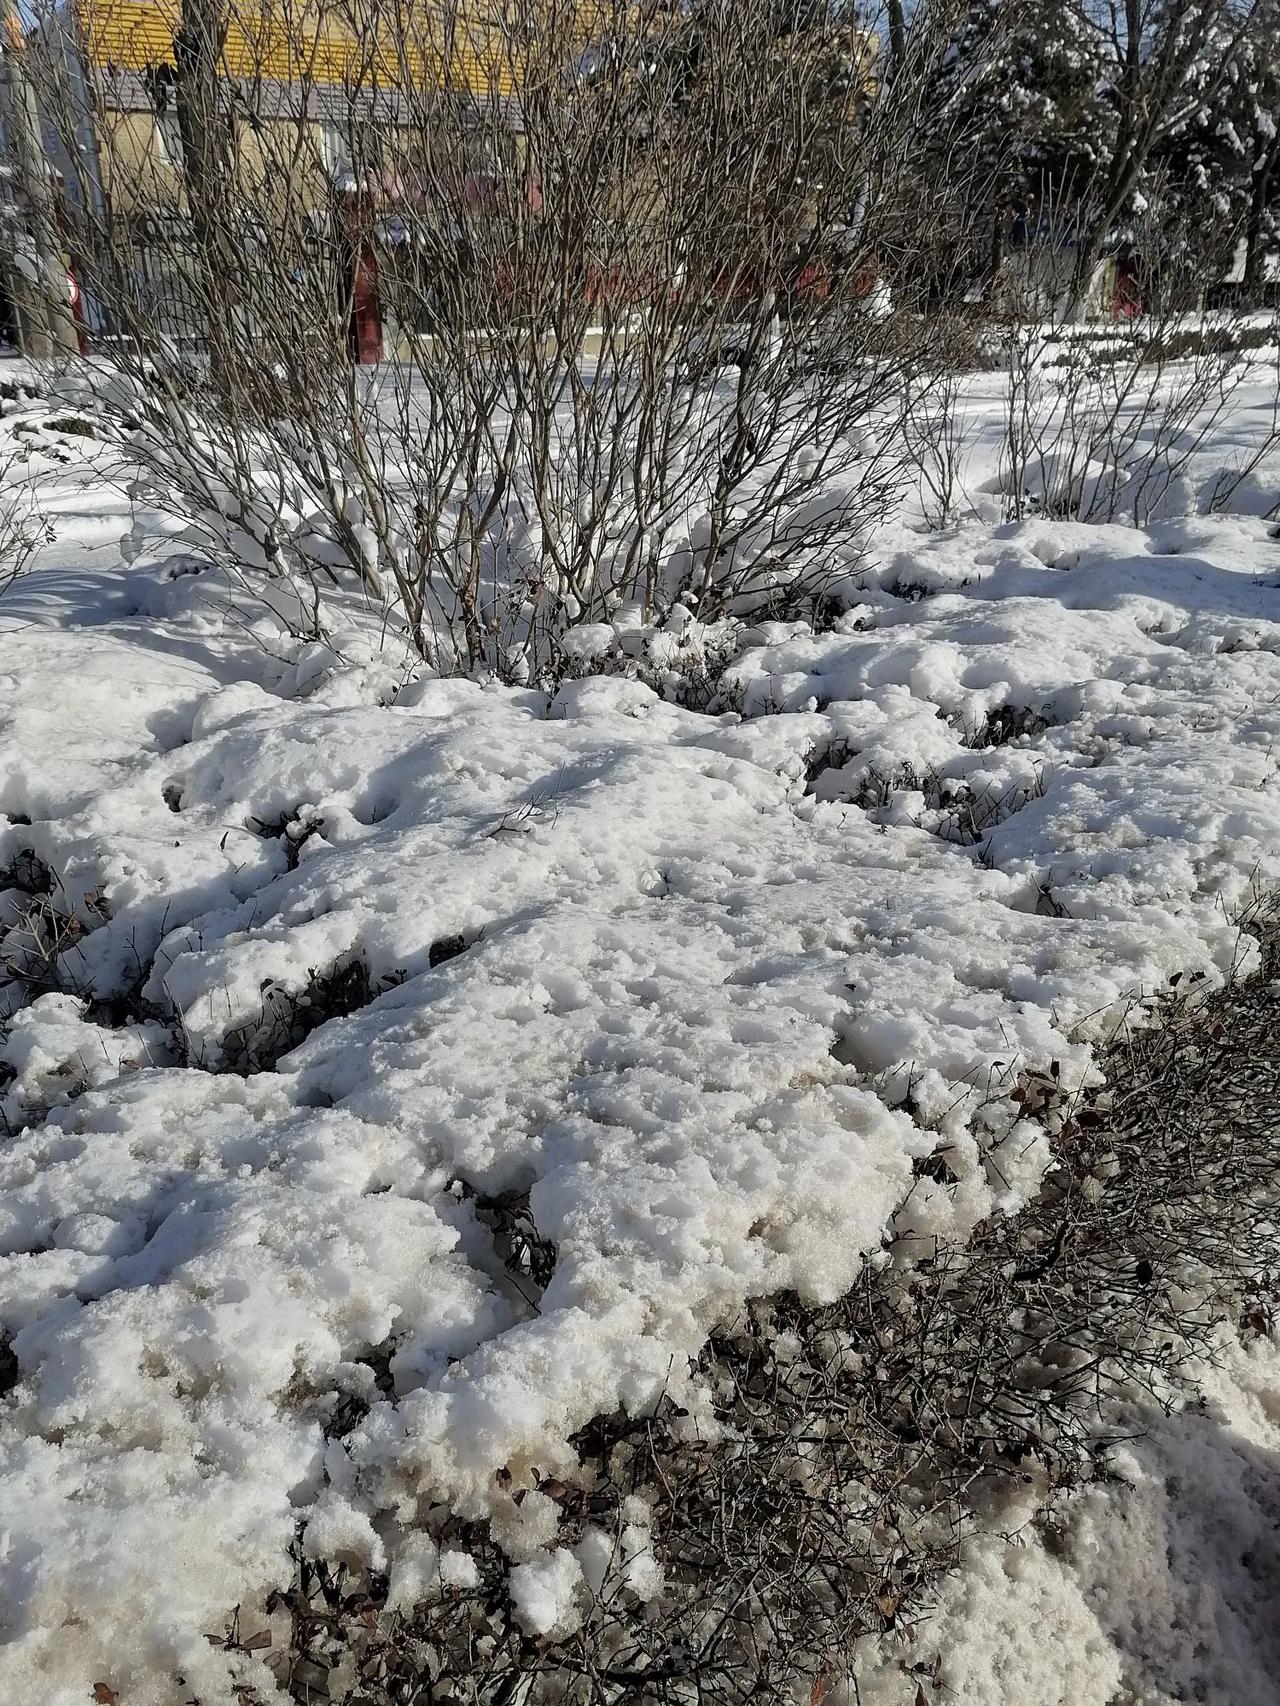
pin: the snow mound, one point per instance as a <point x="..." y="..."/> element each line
<point x="421" y="1079"/>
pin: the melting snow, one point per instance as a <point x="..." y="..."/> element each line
<point x="696" y="992"/>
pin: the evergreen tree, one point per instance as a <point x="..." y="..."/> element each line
<point x="1258" y="129"/>
<point x="1019" y="114"/>
<point x="1223" y="163"/>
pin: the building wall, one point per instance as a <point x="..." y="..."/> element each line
<point x="134" y="175"/>
<point x="277" y="163"/>
<point x="299" y="78"/>
<point x="298" y="68"/>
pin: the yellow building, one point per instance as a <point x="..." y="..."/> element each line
<point x="314" y="99"/>
<point x="311" y="85"/>
<point x="316" y="43"/>
<point x="320" y="105"/>
<point x="340" y="66"/>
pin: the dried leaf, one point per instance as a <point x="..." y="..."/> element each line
<point x="255" y="1643"/>
<point x="104" y="1694"/>
<point x="922" y="1699"/>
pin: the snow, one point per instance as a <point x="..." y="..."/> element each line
<point x="1158" y="1586"/>
<point x="698" y="988"/>
<point x="545" y="1594"/>
<point x="1153" y="784"/>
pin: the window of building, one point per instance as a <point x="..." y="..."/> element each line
<point x="169" y="137"/>
<point x="335" y="149"/>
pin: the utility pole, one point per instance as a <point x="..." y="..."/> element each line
<point x="41" y="296"/>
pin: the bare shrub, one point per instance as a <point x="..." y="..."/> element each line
<point x="936" y="437"/>
<point x="1103" y="422"/>
<point x="636" y="273"/>
<point x="287" y="1016"/>
<point x="23" y="528"/>
<point x="36" y="928"/>
<point x="1234" y="475"/>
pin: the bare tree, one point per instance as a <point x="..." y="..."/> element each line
<point x="1170" y="59"/>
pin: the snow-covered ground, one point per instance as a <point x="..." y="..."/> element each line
<point x="696" y="989"/>
<point x="1159" y="1586"/>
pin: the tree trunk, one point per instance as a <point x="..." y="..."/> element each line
<point x="41" y="305"/>
<point x="1259" y="197"/>
<point x="897" y="36"/>
<point x="999" y="235"/>
<point x="207" y="168"/>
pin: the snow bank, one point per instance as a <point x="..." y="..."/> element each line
<point x="1093" y="709"/>
<point x="693" y="995"/>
